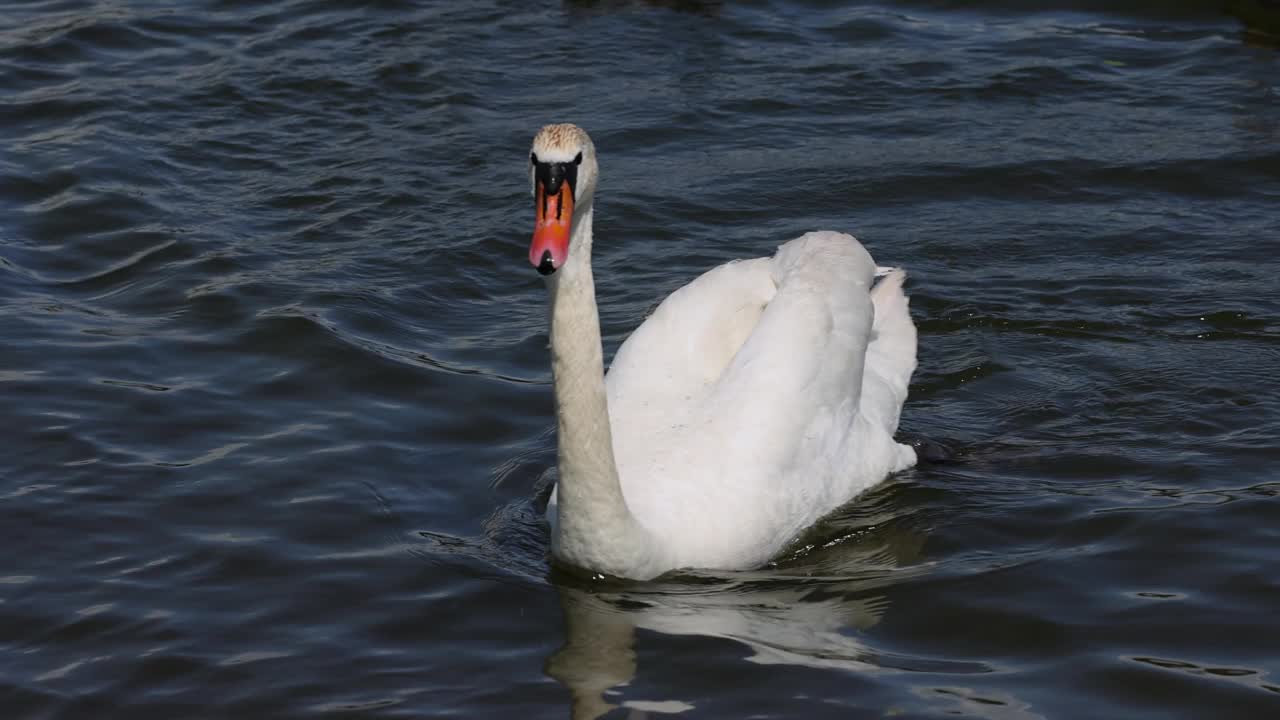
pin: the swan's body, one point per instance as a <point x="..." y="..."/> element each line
<point x="753" y="401"/>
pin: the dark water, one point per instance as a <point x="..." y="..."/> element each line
<point x="276" y="399"/>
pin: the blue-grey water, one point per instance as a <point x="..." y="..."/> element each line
<point x="275" y="392"/>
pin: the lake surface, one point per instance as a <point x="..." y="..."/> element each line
<point x="275" y="383"/>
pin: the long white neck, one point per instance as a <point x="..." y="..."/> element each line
<point x="594" y="528"/>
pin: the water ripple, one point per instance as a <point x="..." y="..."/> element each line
<point x="275" y="382"/>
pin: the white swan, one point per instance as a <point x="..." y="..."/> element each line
<point x="753" y="401"/>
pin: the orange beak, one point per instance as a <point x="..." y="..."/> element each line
<point x="550" y="246"/>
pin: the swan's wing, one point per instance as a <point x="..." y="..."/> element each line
<point x="736" y="407"/>
<point x="684" y="347"/>
<point x="823" y="377"/>
<point x="795" y="386"/>
<point x="658" y="386"/>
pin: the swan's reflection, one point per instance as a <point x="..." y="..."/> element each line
<point x="808" y="611"/>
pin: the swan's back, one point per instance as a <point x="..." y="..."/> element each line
<point x="760" y="397"/>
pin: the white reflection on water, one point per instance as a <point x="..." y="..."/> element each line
<point x="786" y="616"/>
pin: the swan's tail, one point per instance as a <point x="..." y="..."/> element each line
<point x="891" y="356"/>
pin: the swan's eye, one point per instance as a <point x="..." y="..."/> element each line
<point x="577" y="159"/>
<point x="533" y="158"/>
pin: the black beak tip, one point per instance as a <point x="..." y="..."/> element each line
<point x="546" y="266"/>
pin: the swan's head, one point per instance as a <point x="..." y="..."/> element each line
<point x="562" y="170"/>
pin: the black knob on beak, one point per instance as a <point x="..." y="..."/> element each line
<point x="545" y="265"/>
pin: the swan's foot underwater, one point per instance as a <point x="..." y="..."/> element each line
<point x="932" y="452"/>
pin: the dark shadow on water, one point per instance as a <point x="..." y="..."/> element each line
<point x="1261" y="17"/>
